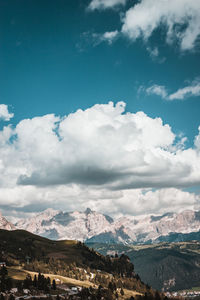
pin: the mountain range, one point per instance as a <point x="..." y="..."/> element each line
<point x="90" y="226"/>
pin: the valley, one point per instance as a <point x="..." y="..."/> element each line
<point x="164" y="266"/>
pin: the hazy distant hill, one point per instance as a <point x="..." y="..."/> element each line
<point x="95" y="227"/>
<point x="173" y="266"/>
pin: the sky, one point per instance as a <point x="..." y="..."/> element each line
<point x="99" y="106"/>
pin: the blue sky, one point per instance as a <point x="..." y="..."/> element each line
<point x="60" y="56"/>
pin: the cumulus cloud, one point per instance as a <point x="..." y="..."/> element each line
<point x="102" y="155"/>
<point x="181" y="20"/>
<point x="161" y="201"/>
<point x="158" y="90"/>
<point x="197" y="140"/>
<point x="104" y="4"/>
<point x="4" y="113"/>
<point x="101" y="146"/>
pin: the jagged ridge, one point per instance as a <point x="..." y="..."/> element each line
<point x="92" y="226"/>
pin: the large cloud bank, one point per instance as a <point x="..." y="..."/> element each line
<point x="101" y="157"/>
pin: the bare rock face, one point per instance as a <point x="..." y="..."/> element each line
<point x="92" y="226"/>
<point x="37" y="223"/>
<point x="5" y="224"/>
<point x="63" y="225"/>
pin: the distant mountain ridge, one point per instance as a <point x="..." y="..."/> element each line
<point x="91" y="226"/>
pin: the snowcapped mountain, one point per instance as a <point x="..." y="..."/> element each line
<point x="64" y="225"/>
<point x="91" y="226"/>
<point x="5" y="224"/>
<point x="37" y="223"/>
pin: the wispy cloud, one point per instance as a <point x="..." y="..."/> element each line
<point x="155" y="55"/>
<point x="158" y="90"/>
<point x="104" y="4"/>
<point x="4" y="113"/>
<point x="89" y="39"/>
<point x="192" y="90"/>
<point x="109" y="37"/>
<point x="188" y="91"/>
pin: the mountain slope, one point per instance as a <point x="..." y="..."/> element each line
<point x="72" y="259"/>
<point x="20" y="244"/>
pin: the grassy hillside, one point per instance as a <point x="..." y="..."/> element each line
<point x="19" y="247"/>
<point x="19" y="243"/>
<point x="172" y="266"/>
<point x="25" y="252"/>
<point x="19" y="274"/>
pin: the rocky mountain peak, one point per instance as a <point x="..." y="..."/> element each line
<point x="88" y="211"/>
<point x="5" y="224"/>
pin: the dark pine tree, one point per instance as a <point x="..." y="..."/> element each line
<point x="54" y="285"/>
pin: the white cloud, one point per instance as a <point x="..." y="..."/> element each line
<point x="192" y="90"/>
<point x="188" y="91"/>
<point x="154" y="54"/>
<point x="158" y="90"/>
<point x="159" y="201"/>
<point x="197" y="141"/>
<point x="100" y="157"/>
<point x="108" y="37"/>
<point x="104" y="4"/>
<point x="4" y="113"/>
<point x="181" y="19"/>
